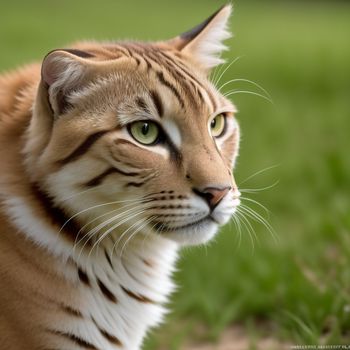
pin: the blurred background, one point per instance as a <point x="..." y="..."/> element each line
<point x="287" y="281"/>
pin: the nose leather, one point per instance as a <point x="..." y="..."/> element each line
<point x="213" y="195"/>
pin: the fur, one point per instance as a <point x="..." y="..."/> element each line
<point x="91" y="218"/>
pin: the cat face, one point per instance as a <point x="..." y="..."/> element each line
<point x="133" y="137"/>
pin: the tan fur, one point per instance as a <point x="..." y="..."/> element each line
<point x="41" y="129"/>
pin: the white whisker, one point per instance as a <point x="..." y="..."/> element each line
<point x="246" y="81"/>
<point x="244" y="221"/>
<point x="259" y="172"/>
<point x="98" y="217"/>
<point x="235" y="92"/>
<point x="92" y="232"/>
<point x="225" y="70"/>
<point x="258" y="218"/>
<point x="257" y="203"/>
<point x="254" y="190"/>
<point x="134" y="233"/>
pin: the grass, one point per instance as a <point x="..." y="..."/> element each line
<point x="300" y="53"/>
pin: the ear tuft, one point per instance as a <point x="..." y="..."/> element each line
<point x="205" y="42"/>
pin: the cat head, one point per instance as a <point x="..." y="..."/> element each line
<point x="135" y="138"/>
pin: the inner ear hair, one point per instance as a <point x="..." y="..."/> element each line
<point x="204" y="43"/>
<point x="63" y="71"/>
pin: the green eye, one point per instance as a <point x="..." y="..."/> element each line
<point x="217" y="125"/>
<point x="144" y="132"/>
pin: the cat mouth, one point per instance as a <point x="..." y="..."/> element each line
<point x="164" y="228"/>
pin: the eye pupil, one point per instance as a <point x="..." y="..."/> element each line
<point x="145" y="129"/>
<point x="213" y="123"/>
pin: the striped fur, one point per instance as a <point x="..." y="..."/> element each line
<point x="91" y="220"/>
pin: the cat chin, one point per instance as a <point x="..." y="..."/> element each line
<point x="199" y="234"/>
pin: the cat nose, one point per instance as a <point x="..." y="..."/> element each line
<point x="213" y="195"/>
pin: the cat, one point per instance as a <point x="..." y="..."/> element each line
<point x="113" y="156"/>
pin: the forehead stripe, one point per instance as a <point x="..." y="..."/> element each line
<point x="178" y="75"/>
<point x="178" y="64"/>
<point x="157" y="102"/>
<point x="183" y="69"/>
<point x="141" y="103"/>
<point x="171" y="87"/>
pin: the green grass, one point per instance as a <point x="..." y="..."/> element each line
<point x="300" y="53"/>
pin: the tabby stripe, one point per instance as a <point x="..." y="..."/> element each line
<point x="83" y="147"/>
<point x="142" y="104"/>
<point x="200" y="95"/>
<point x="149" y="65"/>
<point x="109" y="260"/>
<point x="179" y="68"/>
<point x="83" y="277"/>
<point x="177" y="75"/>
<point x="106" y="292"/>
<point x="135" y="184"/>
<point x="182" y="68"/>
<point x="74" y="338"/>
<point x="186" y="85"/>
<point x="171" y="87"/>
<point x="79" y="53"/>
<point x="119" y="160"/>
<point x="98" y="179"/>
<point x="157" y="102"/>
<point x="111" y="338"/>
<point x="128" y="51"/>
<point x="120" y="49"/>
<point x="138" y="297"/>
<point x="138" y="62"/>
<point x="71" y="311"/>
<point x="55" y="214"/>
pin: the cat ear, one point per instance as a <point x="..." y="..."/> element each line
<point x="62" y="72"/>
<point x="205" y="42"/>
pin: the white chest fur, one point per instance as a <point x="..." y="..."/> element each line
<point x="124" y="295"/>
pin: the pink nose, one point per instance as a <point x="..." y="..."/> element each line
<point x="213" y="195"/>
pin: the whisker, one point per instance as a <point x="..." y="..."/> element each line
<point x="254" y="190"/>
<point x="244" y="216"/>
<point x="235" y="221"/>
<point x="149" y="233"/>
<point x="244" y="221"/>
<point x="258" y="218"/>
<point x="101" y="225"/>
<point x="257" y="203"/>
<point x="116" y="243"/>
<point x="246" y="81"/>
<point x="94" y="207"/>
<point x="225" y="70"/>
<point x="216" y="72"/>
<point x="259" y="172"/>
<point x="92" y="232"/>
<point x="235" y="92"/>
<point x="134" y="233"/>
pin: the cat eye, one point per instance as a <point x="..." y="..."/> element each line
<point x="217" y="125"/>
<point x="144" y="132"/>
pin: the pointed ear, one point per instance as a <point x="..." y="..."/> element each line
<point x="62" y="72"/>
<point x="205" y="42"/>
